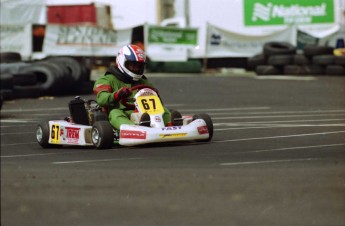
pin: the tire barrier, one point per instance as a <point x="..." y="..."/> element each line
<point x="53" y="76"/>
<point x="280" y="58"/>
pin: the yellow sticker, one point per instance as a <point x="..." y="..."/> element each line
<point x="150" y="104"/>
<point x="55" y="134"/>
<point x="173" y="135"/>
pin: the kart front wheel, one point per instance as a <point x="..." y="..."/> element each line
<point x="102" y="135"/>
<point x="208" y="122"/>
<point x="42" y="134"/>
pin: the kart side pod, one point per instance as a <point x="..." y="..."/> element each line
<point x="131" y="135"/>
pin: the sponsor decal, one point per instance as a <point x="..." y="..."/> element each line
<point x="158" y="119"/>
<point x="172" y="135"/>
<point x="202" y="130"/>
<point x="172" y="128"/>
<point x="70" y="134"/>
<point x="132" y="134"/>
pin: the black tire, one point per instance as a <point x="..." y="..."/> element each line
<point x="300" y="59"/>
<point x="311" y="51"/>
<point x="47" y="78"/>
<point x="296" y="70"/>
<point x="280" y="60"/>
<point x="278" y="48"/>
<point x="208" y="122"/>
<point x="102" y="135"/>
<point x="335" y="70"/>
<point x="75" y="70"/>
<point x="7" y="94"/>
<point x="26" y="91"/>
<point x="10" y="57"/>
<point x="43" y="134"/>
<point x="176" y="117"/>
<point x="268" y="70"/>
<point x="6" y="81"/>
<point x="253" y="62"/>
<point x="13" y="67"/>
<point x="315" y="69"/>
<point x="339" y="60"/>
<point x="27" y="79"/>
<point x="324" y="60"/>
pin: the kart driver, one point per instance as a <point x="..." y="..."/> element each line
<point x="115" y="85"/>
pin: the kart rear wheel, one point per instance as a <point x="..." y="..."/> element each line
<point x="102" y="135"/>
<point x="42" y="134"/>
<point x="208" y="122"/>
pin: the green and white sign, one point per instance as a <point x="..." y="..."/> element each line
<point x="280" y="12"/>
<point x="172" y="36"/>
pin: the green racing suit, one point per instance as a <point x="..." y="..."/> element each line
<point x="104" y="89"/>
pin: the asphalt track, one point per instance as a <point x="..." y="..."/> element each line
<point x="277" y="158"/>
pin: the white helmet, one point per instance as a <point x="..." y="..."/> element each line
<point x="131" y="61"/>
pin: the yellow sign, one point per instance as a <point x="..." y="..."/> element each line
<point x="55" y="134"/>
<point x="150" y="104"/>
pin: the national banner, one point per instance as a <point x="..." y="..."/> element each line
<point x="280" y="12"/>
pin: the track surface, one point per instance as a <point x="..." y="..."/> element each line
<point x="277" y="158"/>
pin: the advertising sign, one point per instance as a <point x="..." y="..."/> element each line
<point x="84" y="40"/>
<point x="280" y="12"/>
<point x="172" y="36"/>
<point x="223" y="43"/>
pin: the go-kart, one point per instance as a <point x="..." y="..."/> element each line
<point x="88" y="124"/>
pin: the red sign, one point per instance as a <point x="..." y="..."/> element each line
<point x="202" y="130"/>
<point x="132" y="134"/>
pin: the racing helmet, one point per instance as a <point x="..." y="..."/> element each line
<point x="131" y="61"/>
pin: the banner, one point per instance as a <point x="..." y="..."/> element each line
<point x="221" y="43"/>
<point x="169" y="43"/>
<point x="172" y="36"/>
<point x="84" y="40"/>
<point x="16" y="38"/>
<point x="280" y="12"/>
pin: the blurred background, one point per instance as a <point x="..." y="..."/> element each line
<point x="80" y="39"/>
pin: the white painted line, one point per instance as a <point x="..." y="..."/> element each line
<point x="264" y="122"/>
<point x="286" y="121"/>
<point x="43" y="154"/>
<point x="18" y="121"/>
<point x="295" y="148"/>
<point x="17" y="133"/>
<point x="226" y="109"/>
<point x="34" y="110"/>
<point x="3" y="145"/>
<point x="285" y="77"/>
<point x="280" y="112"/>
<point x="276" y="116"/>
<point x="274" y="126"/>
<point x="99" y="160"/>
<point x="277" y="137"/>
<point x="267" y="162"/>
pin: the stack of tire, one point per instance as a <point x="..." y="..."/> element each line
<point x="53" y="76"/>
<point x="281" y="58"/>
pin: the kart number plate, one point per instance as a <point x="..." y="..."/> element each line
<point x="150" y="104"/>
<point x="55" y="134"/>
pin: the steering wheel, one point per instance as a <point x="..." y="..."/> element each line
<point x="131" y="106"/>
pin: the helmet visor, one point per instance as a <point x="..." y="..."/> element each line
<point x="135" y="67"/>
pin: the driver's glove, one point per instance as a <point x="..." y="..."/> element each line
<point x="122" y="93"/>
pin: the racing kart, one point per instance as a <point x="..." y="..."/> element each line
<point x="88" y="124"/>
